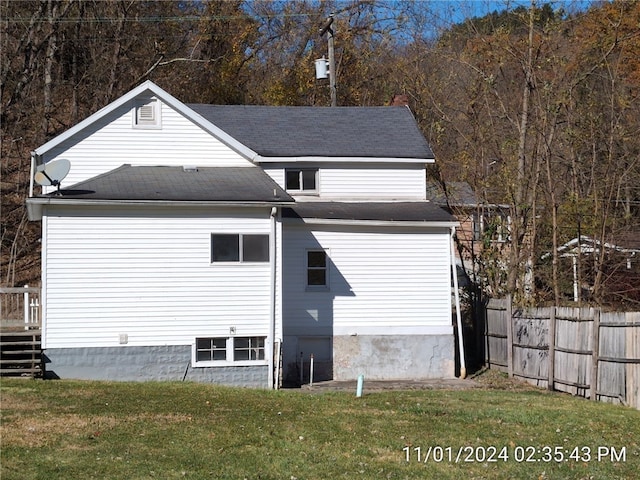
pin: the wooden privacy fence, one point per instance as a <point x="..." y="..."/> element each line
<point x="582" y="351"/>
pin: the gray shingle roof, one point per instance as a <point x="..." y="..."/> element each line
<point x="370" y="132"/>
<point x="374" y="211"/>
<point x="460" y="194"/>
<point x="215" y="184"/>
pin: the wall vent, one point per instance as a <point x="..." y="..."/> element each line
<point x="146" y="113"/>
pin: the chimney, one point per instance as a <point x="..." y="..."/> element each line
<point x="400" y="100"/>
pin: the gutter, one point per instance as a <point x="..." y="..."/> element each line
<point x="456" y="293"/>
<point x="371" y="223"/>
<point x="35" y="204"/>
<point x="259" y="159"/>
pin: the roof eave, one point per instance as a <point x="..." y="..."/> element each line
<point x="371" y="223"/>
<point x="314" y="159"/>
<point x="36" y="204"/>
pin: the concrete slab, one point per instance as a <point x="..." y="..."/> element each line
<point x="387" y="385"/>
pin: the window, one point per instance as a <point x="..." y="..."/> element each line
<point x="248" y="348"/>
<point x="210" y="349"/>
<point x="317" y="268"/>
<point x="255" y="248"/>
<point x="147" y="113"/>
<point x="239" y="248"/>
<point x="228" y="350"/>
<point x="301" y="180"/>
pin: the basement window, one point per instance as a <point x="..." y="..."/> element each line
<point x="146" y="113"/>
<point x="248" y="348"/>
<point x="218" y="351"/>
<point x="211" y="349"/>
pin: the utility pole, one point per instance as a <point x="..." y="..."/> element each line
<point x="332" y="59"/>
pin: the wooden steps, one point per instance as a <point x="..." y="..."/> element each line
<point x="20" y="353"/>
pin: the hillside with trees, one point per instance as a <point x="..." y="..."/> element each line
<point x="537" y="107"/>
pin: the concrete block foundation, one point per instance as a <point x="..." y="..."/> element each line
<point x="132" y="363"/>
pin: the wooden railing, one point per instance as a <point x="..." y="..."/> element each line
<point x="20" y="307"/>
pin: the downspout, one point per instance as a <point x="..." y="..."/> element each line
<point x="33" y="171"/>
<point x="456" y="293"/>
<point x="272" y="296"/>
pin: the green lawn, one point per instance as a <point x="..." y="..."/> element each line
<point x="105" y="430"/>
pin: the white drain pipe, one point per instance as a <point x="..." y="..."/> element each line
<point x="272" y="299"/>
<point x="456" y="293"/>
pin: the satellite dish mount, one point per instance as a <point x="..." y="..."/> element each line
<point x="52" y="173"/>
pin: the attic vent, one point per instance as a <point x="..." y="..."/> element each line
<point x="147" y="114"/>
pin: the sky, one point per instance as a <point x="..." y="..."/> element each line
<point x="445" y="13"/>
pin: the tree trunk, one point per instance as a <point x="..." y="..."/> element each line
<point x="519" y="209"/>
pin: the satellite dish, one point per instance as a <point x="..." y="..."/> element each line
<point x="52" y="173"/>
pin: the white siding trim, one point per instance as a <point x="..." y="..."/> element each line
<point x="43" y="283"/>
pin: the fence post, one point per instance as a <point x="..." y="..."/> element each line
<point x="25" y="307"/>
<point x="595" y="348"/>
<point x="509" y="314"/>
<point x="551" y="366"/>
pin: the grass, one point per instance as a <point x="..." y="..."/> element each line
<point x="106" y="430"/>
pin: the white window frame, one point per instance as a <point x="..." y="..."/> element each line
<point x="230" y="353"/>
<point x="327" y="276"/>
<point x="302" y="190"/>
<point x="147" y="114"/>
<point x="240" y="249"/>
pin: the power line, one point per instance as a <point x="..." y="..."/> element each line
<point x="155" y="19"/>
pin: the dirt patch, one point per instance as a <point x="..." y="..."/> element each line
<point x="39" y="431"/>
<point x="387" y="385"/>
<point x="496" y="380"/>
<point x="485" y="379"/>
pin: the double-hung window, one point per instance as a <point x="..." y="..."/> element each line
<point x="302" y="180"/>
<point x="239" y="248"/>
<point x="317" y="269"/>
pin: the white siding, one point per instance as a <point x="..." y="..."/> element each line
<point x="390" y="281"/>
<point x="363" y="181"/>
<point x="113" y="141"/>
<point x="147" y="274"/>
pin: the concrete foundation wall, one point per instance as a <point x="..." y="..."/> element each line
<point x="161" y="363"/>
<point x="393" y="357"/>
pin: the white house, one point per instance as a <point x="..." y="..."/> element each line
<point x="230" y="243"/>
